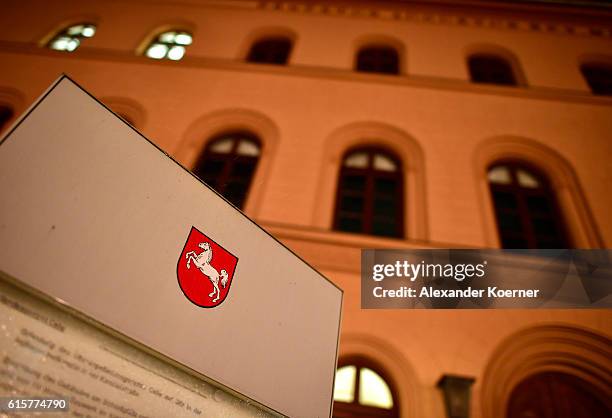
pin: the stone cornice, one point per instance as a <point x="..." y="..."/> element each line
<point x="445" y="14"/>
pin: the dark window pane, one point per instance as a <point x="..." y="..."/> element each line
<point x="538" y="204"/>
<point x="209" y="170"/>
<point x="509" y="221"/>
<point x="350" y="225"/>
<point x="385" y="227"/>
<point x="599" y="78"/>
<point x="545" y="226"/>
<point x="244" y="168"/>
<point x="378" y="59"/>
<point x="235" y="191"/>
<point x="270" y="51"/>
<point x="490" y="69"/>
<point x="385" y="186"/>
<point x="517" y="243"/>
<point x="505" y="200"/>
<point x="546" y="242"/>
<point x="386" y="207"/>
<point x="350" y="182"/>
<point x="351" y="204"/>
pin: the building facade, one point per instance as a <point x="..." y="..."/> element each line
<point x="345" y="125"/>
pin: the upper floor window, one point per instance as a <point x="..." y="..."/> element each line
<point x="492" y="69"/>
<point x="270" y="51"/>
<point x="360" y="390"/>
<point x="525" y="208"/>
<point x="369" y="197"/>
<point x="378" y="59"/>
<point x="170" y="45"/>
<point x="70" y="38"/>
<point x="599" y="77"/>
<point x="6" y="114"/>
<point x="228" y="164"/>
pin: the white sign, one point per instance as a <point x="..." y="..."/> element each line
<point x="95" y="215"/>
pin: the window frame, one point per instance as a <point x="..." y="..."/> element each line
<point x="230" y="159"/>
<point x="371" y="174"/>
<point x="520" y="193"/>
<point x="513" y="72"/>
<point x="278" y="39"/>
<point x="355" y="409"/>
<point x="63" y="32"/>
<point x="587" y="68"/>
<point x="376" y="61"/>
<point x="156" y="39"/>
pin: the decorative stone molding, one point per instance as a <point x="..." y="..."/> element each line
<point x="555" y="347"/>
<point x="406" y="14"/>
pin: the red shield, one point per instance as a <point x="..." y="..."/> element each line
<point x="205" y="270"/>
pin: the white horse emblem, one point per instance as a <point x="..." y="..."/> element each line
<point x="202" y="262"/>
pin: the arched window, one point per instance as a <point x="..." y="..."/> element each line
<point x="492" y="69"/>
<point x="378" y="59"/>
<point x="525" y="208"/>
<point x="361" y="390"/>
<point x="170" y="45"/>
<point x="6" y="114"/>
<point x="228" y="164"/>
<point x="369" y="196"/>
<point x="599" y="77"/>
<point x="70" y="38"/>
<point x="270" y="51"/>
<point x="559" y="395"/>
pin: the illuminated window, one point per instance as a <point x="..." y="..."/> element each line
<point x="228" y="164"/>
<point x="6" y="114"/>
<point x="369" y="196"/>
<point x="270" y="51"/>
<point x="525" y="208"/>
<point x="491" y="69"/>
<point x="360" y="390"/>
<point x="378" y="59"/>
<point x="170" y="45"/>
<point x="599" y="78"/>
<point x="70" y="38"/>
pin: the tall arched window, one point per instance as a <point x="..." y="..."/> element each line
<point x="377" y="59"/>
<point x="369" y="196"/>
<point x="362" y="390"/>
<point x="525" y="207"/>
<point x="271" y="51"/>
<point x="558" y="395"/>
<point x="599" y="77"/>
<point x="70" y="38"/>
<point x="228" y="164"/>
<point x="170" y="45"/>
<point x="492" y="69"/>
<point x="6" y="113"/>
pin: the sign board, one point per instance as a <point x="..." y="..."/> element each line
<point x="96" y="216"/>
